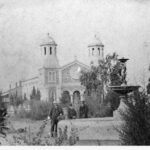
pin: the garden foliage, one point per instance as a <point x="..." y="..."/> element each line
<point x="35" y="94"/>
<point x="39" y="110"/>
<point x="136" y="127"/>
<point x="96" y="82"/>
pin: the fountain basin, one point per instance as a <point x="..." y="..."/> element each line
<point x="124" y="89"/>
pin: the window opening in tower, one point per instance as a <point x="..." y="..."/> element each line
<point x="45" y="50"/>
<point x="50" y="50"/>
<point x="92" y="51"/>
<point x="99" y="50"/>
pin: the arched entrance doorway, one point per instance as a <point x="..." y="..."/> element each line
<point x="76" y="101"/>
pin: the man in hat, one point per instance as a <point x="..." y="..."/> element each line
<point x="55" y="114"/>
<point x="71" y="112"/>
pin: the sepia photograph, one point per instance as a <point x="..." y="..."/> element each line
<point x="74" y="73"/>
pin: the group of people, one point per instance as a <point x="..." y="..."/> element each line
<point x="57" y="114"/>
<point x="83" y="111"/>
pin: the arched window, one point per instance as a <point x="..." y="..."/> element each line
<point x="50" y="50"/>
<point x="45" y="50"/>
<point x="92" y="51"/>
<point x="99" y="51"/>
<point x="51" y="76"/>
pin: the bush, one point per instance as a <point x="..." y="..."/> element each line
<point x="16" y="101"/>
<point x="105" y="111"/>
<point x="35" y="94"/>
<point x="93" y="105"/>
<point x="96" y="109"/>
<point x="136" y="127"/>
<point x="23" y="113"/>
<point x="40" y="110"/>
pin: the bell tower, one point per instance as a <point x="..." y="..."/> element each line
<point x="49" y="72"/>
<point x="49" y="52"/>
<point x="96" y="51"/>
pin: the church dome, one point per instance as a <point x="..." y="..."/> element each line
<point x="48" y="40"/>
<point x="51" y="62"/>
<point x="96" y="42"/>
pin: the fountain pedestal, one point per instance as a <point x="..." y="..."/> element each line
<point x="123" y="91"/>
<point x="122" y="107"/>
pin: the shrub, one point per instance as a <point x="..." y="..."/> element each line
<point x="23" y="113"/>
<point x="105" y="111"/>
<point x="16" y="101"/>
<point x="39" y="109"/>
<point x="136" y="127"/>
<point x="35" y="94"/>
<point x="96" y="109"/>
<point x="93" y="105"/>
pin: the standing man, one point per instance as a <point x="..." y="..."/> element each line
<point x="84" y="110"/>
<point x="55" y="115"/>
<point x="71" y="112"/>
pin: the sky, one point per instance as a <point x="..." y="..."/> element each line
<point x="122" y="25"/>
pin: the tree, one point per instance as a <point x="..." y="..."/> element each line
<point x="90" y="80"/>
<point x="25" y="97"/>
<point x="96" y="81"/>
<point x="65" y="98"/>
<point x="38" y="95"/>
<point x="136" y="127"/>
<point x="107" y="72"/>
<point x="35" y="94"/>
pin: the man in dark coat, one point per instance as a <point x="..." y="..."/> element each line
<point x="55" y="114"/>
<point x="83" y="110"/>
<point x="71" y="112"/>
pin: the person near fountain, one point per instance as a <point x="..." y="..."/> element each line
<point x="71" y="112"/>
<point x="55" y="115"/>
<point x="83" y="110"/>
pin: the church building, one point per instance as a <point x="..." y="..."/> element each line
<point x="53" y="79"/>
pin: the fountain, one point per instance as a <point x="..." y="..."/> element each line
<point x="123" y="89"/>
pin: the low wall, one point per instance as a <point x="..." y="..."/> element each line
<point x="91" y="131"/>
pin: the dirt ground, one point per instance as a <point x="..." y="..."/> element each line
<point x="17" y="123"/>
